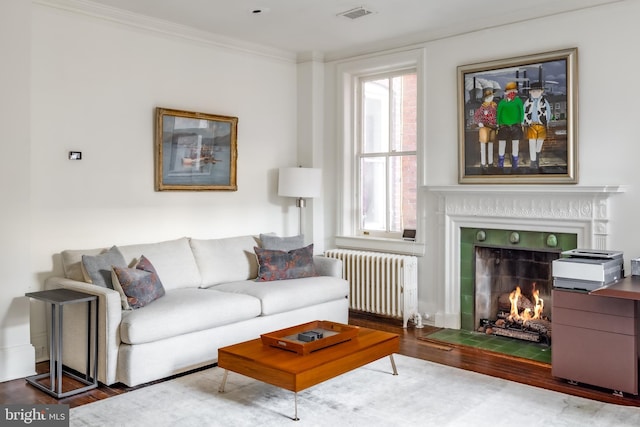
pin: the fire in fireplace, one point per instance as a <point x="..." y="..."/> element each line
<point x="513" y="292"/>
<point x="520" y="317"/>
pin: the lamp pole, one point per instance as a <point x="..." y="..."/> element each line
<point x="301" y="203"/>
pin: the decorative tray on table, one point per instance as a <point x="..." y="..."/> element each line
<point x="308" y="337"/>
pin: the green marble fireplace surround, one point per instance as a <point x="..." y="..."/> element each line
<point x="509" y="239"/>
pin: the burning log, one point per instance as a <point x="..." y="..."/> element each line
<point x="535" y="312"/>
<point x="514" y="333"/>
<point x="521" y="318"/>
<point x="541" y="326"/>
<point x="523" y="303"/>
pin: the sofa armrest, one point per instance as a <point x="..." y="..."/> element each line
<point x="109" y="318"/>
<point x="327" y="266"/>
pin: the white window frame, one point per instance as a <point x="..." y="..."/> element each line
<point x="359" y="155"/>
<point x="348" y="77"/>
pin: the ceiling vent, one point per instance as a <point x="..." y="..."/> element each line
<point x="356" y="13"/>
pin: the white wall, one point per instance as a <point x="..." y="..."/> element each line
<point x="608" y="113"/>
<point x="94" y="85"/>
<point x="16" y="352"/>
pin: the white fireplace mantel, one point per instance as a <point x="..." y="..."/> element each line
<point x="583" y="210"/>
<point x="572" y="209"/>
<point x="544" y="189"/>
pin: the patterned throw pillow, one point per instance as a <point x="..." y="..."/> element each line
<point x="137" y="286"/>
<point x="280" y="265"/>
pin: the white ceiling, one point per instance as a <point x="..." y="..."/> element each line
<point x="313" y="26"/>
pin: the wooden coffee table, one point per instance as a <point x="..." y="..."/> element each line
<point x="295" y="372"/>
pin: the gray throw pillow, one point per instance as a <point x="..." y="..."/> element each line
<point x="98" y="267"/>
<point x="286" y="244"/>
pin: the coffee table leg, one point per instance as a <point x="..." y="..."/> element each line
<point x="224" y="381"/>
<point x="295" y="403"/>
<point x="393" y="365"/>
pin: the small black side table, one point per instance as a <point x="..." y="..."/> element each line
<point x="58" y="298"/>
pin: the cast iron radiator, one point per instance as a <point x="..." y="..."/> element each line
<point x="380" y="283"/>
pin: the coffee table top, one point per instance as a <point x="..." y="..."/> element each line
<point x="296" y="372"/>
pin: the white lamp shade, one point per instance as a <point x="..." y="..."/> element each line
<point x="300" y="182"/>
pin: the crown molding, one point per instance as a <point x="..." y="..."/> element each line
<point x="312" y="56"/>
<point x="159" y="26"/>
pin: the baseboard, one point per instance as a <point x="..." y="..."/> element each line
<point x="17" y="362"/>
<point x="364" y="315"/>
<point x="41" y="344"/>
<point x="447" y="320"/>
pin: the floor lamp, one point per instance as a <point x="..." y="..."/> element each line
<point x="301" y="183"/>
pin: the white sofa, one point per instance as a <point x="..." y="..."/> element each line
<point x="211" y="300"/>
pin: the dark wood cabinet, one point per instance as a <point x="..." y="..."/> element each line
<point x="595" y="340"/>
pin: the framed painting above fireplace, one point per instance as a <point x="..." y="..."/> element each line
<point x="517" y="120"/>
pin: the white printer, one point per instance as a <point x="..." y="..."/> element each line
<point x="587" y="269"/>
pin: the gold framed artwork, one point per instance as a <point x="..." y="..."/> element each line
<point x="195" y="151"/>
<point x="517" y="120"/>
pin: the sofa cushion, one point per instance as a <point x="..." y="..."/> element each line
<point x="182" y="311"/>
<point x="276" y="243"/>
<point x="172" y="259"/>
<point x="225" y="260"/>
<point x="281" y="265"/>
<point x="98" y="267"/>
<point x="137" y="286"/>
<point x="72" y="262"/>
<point x="285" y="295"/>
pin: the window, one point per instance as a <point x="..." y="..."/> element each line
<point x="386" y="159"/>
<point x="379" y="122"/>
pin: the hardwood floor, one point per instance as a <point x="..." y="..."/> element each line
<point x="413" y="342"/>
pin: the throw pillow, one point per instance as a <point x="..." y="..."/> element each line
<point x="137" y="286"/>
<point x="98" y="267"/>
<point x="281" y="265"/>
<point x="276" y="243"/>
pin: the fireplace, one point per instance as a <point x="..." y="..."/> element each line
<point x="463" y="211"/>
<point x="512" y="290"/>
<point x="505" y="261"/>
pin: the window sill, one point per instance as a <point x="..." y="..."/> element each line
<point x="396" y="246"/>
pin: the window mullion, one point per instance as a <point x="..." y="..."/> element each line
<point x="392" y="132"/>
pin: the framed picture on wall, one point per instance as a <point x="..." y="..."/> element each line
<point x="517" y="120"/>
<point x="195" y="151"/>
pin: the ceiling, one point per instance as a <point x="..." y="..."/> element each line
<point x="316" y="26"/>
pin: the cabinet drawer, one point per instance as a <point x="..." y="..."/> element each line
<point x="591" y="320"/>
<point x="594" y="357"/>
<point x="585" y="302"/>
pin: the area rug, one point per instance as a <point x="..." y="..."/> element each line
<point x="424" y="393"/>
